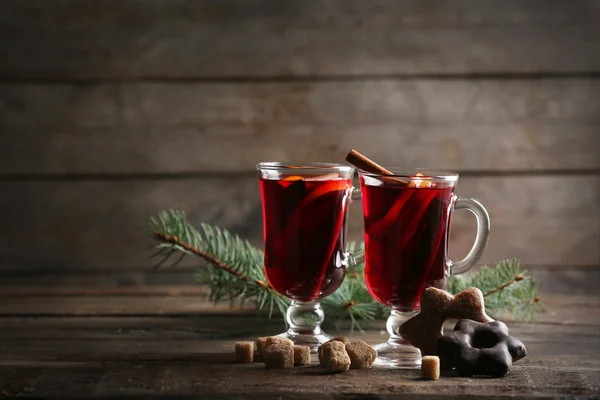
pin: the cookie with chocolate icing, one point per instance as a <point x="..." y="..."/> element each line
<point x="480" y="349"/>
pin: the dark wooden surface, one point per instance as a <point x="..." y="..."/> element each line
<point x="170" y="344"/>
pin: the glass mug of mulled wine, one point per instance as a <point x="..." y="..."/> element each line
<point x="407" y="219"/>
<point x="304" y="210"/>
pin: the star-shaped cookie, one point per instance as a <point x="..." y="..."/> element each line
<point x="424" y="329"/>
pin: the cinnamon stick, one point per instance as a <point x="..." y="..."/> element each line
<point x="366" y="164"/>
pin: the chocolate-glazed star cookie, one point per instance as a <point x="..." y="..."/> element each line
<point x="480" y="349"/>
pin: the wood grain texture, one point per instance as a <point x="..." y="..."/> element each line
<point x="483" y="125"/>
<point x="566" y="310"/>
<point x="232" y="324"/>
<point x="210" y="376"/>
<point x="194" y="39"/>
<point x="104" y="224"/>
<point x="184" y="304"/>
<point x="178" y="356"/>
<point x="553" y="280"/>
<point x="143" y="278"/>
<point x="582" y="280"/>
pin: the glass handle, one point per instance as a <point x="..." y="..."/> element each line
<point x="358" y="257"/>
<point x="356" y="194"/>
<point x="481" y="239"/>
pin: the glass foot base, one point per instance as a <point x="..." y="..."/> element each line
<point x="397" y="355"/>
<point x="304" y="320"/>
<point x="311" y="340"/>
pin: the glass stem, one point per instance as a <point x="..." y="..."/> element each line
<point x="304" y="318"/>
<point x="394" y="321"/>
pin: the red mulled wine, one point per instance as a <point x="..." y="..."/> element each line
<point x="406" y="232"/>
<point x="304" y="227"/>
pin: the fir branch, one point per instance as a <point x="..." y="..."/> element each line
<point x="507" y="289"/>
<point x="517" y="278"/>
<point x="234" y="272"/>
<point x="174" y="240"/>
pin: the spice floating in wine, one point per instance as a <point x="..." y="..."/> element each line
<point x="304" y="218"/>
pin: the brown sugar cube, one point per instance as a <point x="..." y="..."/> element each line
<point x="430" y="368"/>
<point x="334" y="357"/>
<point x="244" y="352"/>
<point x="301" y="355"/>
<point x="261" y="345"/>
<point x="279" y="356"/>
<point x="263" y="342"/>
<point x="361" y="355"/>
<point x="279" y="340"/>
<point x="342" y="339"/>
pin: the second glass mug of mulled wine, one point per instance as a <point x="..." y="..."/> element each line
<point x="304" y="210"/>
<point x="407" y="218"/>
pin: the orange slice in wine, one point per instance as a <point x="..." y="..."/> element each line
<point x="293" y="178"/>
<point x="321" y="190"/>
<point x="380" y="227"/>
<point x="417" y="183"/>
<point x="412" y="221"/>
<point x="325" y="177"/>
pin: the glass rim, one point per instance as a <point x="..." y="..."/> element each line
<point x="428" y="174"/>
<point x="277" y="166"/>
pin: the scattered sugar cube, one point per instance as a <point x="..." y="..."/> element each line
<point x="244" y="352"/>
<point x="334" y="356"/>
<point x="279" y="356"/>
<point x="361" y="355"/>
<point x="279" y="340"/>
<point x="301" y="355"/>
<point x="342" y="339"/>
<point x="261" y="345"/>
<point x="263" y="342"/>
<point x="430" y="368"/>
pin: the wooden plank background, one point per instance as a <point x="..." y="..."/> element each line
<point x="111" y="111"/>
<point x="96" y="224"/>
<point x="466" y="125"/>
<point x="269" y="38"/>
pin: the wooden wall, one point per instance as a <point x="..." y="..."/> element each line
<point x="113" y="110"/>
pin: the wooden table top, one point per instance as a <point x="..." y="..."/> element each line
<point x="169" y="343"/>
